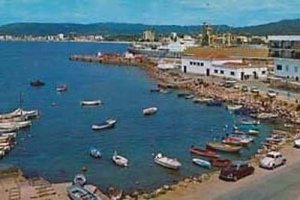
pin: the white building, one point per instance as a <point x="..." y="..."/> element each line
<point x="149" y="36"/>
<point x="234" y="68"/>
<point x="286" y="51"/>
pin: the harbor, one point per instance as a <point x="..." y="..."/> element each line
<point x="128" y="135"/>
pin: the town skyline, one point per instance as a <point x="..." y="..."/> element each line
<point x="183" y="12"/>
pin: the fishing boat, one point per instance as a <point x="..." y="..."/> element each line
<point x="155" y="90"/>
<point x="202" y="163"/>
<point x="183" y="94"/>
<point x="79" y="179"/>
<point x="62" y="88"/>
<point x="204" y="152"/>
<point x="232" y="141"/>
<point x="266" y="116"/>
<point x="110" y="123"/>
<point x="95" y="153"/>
<point x="37" y="83"/>
<point x="8" y="130"/>
<point x="119" y="160"/>
<point x="214" y="103"/>
<point x="249" y="122"/>
<point x="220" y="163"/>
<point x="20" y="113"/>
<point x="233" y="107"/>
<point x="190" y="96"/>
<point x="17" y="125"/>
<point x="253" y="132"/>
<point x="166" y="162"/>
<point x="244" y="139"/>
<point x="9" y="134"/>
<point x="224" y="147"/>
<point x="150" y="111"/>
<point x="90" y="103"/>
<point x="202" y="100"/>
<point x="76" y="192"/>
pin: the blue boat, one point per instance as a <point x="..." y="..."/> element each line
<point x="95" y="153"/>
<point x="202" y="163"/>
<point x="76" y="192"/>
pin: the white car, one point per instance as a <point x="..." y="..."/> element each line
<point x="272" y="93"/>
<point x="297" y="143"/>
<point x="273" y="159"/>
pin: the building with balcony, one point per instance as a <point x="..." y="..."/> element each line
<point x="285" y="49"/>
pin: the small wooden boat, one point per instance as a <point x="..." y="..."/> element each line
<point x="202" y="100"/>
<point x="17" y="125"/>
<point x="76" y="192"/>
<point x="20" y="113"/>
<point x="233" y="107"/>
<point x="190" y="96"/>
<point x="249" y="122"/>
<point x="204" y="152"/>
<point x="79" y="179"/>
<point x="232" y="141"/>
<point x="110" y="123"/>
<point x="155" y="90"/>
<point x="90" y="103"/>
<point x="214" y="103"/>
<point x="95" y="153"/>
<point x="220" y="163"/>
<point x="120" y="160"/>
<point x="62" y="88"/>
<point x="166" y="162"/>
<point x="253" y="132"/>
<point x="150" y="111"/>
<point x="179" y="95"/>
<point x="37" y="83"/>
<point x="202" y="163"/>
<point x="8" y="130"/>
<point x="224" y="147"/>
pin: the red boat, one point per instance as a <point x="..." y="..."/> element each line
<point x="204" y="152"/>
<point x="220" y="163"/>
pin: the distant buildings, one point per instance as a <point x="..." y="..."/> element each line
<point x="148" y="36"/>
<point x="286" y="51"/>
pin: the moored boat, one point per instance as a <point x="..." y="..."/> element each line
<point x="249" y="122"/>
<point x="220" y="163"/>
<point x="224" y="147"/>
<point x="233" y="107"/>
<point x="8" y="130"/>
<point x="90" y="102"/>
<point x="79" y="179"/>
<point x="214" y="103"/>
<point x="20" y="113"/>
<point x="232" y="141"/>
<point x="76" y="192"/>
<point x="150" y="111"/>
<point x="17" y="125"/>
<point x="95" y="153"/>
<point x="204" y="152"/>
<point x="37" y="83"/>
<point x="119" y="160"/>
<point x="166" y="162"/>
<point x="110" y="123"/>
<point x="202" y="100"/>
<point x="253" y="132"/>
<point x="202" y="163"/>
<point x="62" y="88"/>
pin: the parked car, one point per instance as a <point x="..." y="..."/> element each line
<point x="236" y="171"/>
<point x="245" y="88"/>
<point x="272" y="93"/>
<point x="254" y="90"/>
<point x="297" y="143"/>
<point x="272" y="160"/>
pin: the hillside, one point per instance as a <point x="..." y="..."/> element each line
<point x="281" y="27"/>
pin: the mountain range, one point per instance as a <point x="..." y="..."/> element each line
<point x="286" y="27"/>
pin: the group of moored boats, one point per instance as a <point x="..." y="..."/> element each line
<point x="10" y="124"/>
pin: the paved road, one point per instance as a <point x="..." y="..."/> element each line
<point x="284" y="185"/>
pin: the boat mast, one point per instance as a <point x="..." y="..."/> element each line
<point x="21" y="100"/>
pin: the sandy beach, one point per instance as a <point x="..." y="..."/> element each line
<point x="218" y="189"/>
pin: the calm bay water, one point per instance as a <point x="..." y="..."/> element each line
<point x="57" y="145"/>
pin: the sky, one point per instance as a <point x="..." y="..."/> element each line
<point x="177" y="12"/>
